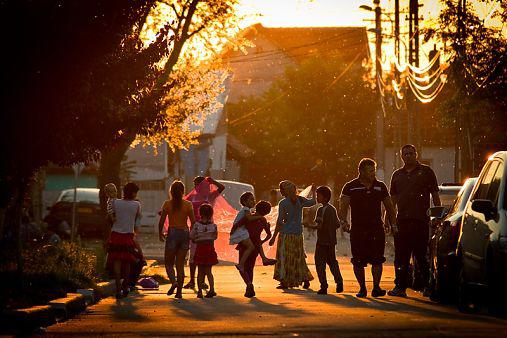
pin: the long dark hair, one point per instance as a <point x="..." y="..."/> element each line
<point x="177" y="190"/>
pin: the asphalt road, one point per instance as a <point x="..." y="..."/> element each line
<point x="275" y="312"/>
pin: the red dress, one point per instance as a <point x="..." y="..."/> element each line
<point x="120" y="247"/>
<point x="205" y="254"/>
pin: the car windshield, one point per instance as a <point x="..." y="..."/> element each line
<point x="463" y="195"/>
<point x="448" y="195"/>
<point x="82" y="196"/>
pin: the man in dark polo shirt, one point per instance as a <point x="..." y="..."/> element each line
<point x="365" y="196"/>
<point x="411" y="187"/>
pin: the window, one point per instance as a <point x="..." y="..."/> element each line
<point x="495" y="184"/>
<point x="485" y="181"/>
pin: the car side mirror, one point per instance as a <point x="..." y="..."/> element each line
<point x="437" y="212"/>
<point x="485" y="207"/>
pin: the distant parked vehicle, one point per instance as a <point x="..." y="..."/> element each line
<point x="234" y="190"/>
<point x="443" y="244"/>
<point x="482" y="247"/>
<point x="89" y="219"/>
<point x="448" y="193"/>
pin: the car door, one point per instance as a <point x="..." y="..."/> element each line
<point x="475" y="229"/>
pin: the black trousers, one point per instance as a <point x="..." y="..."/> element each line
<point x="325" y="254"/>
<point x="411" y="241"/>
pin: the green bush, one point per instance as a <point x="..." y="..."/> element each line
<point x="49" y="272"/>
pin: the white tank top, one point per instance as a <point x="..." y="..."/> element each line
<point x="126" y="213"/>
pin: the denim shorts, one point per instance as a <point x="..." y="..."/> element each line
<point x="177" y="239"/>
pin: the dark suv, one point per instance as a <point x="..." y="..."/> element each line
<point x="482" y="247"/>
<point x="443" y="244"/>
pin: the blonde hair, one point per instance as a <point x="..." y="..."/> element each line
<point x="111" y="190"/>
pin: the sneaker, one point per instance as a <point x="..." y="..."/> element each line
<point x="306" y="285"/>
<point x="189" y="285"/>
<point x="199" y="294"/>
<point x="339" y="288"/>
<point x="269" y="261"/>
<point x="322" y="291"/>
<point x="378" y="292"/>
<point x="211" y="294"/>
<point x="362" y="293"/>
<point x="171" y="289"/>
<point x="397" y="292"/>
<point x="178" y="295"/>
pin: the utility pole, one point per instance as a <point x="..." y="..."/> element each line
<point x="397" y="159"/>
<point x="460" y="158"/>
<point x="413" y="125"/>
<point x="380" y="150"/>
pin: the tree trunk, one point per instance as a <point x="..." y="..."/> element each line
<point x="110" y="165"/>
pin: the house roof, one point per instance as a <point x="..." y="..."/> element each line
<point x="238" y="149"/>
<point x="301" y="42"/>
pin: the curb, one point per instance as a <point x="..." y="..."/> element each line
<point x="35" y="317"/>
<point x="105" y="289"/>
<point x="69" y="306"/>
<point x="29" y="318"/>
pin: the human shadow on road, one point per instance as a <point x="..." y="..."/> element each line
<point x="218" y="307"/>
<point x="125" y="309"/>
<point x="397" y="305"/>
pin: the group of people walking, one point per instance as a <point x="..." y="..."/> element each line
<point x="190" y="227"/>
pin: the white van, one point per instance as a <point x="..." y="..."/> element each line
<point x="234" y="190"/>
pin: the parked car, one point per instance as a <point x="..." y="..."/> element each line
<point x="443" y="244"/>
<point x="482" y="248"/>
<point x="233" y="191"/>
<point x="89" y="220"/>
<point x="448" y="193"/>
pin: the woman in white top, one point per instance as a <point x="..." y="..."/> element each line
<point x="121" y="248"/>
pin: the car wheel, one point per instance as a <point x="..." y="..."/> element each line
<point x="464" y="301"/>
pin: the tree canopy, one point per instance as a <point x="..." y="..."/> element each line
<point x="316" y="121"/>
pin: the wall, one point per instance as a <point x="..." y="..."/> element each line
<point x="440" y="159"/>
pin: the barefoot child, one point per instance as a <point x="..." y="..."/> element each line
<point x="239" y="233"/>
<point x="204" y="233"/>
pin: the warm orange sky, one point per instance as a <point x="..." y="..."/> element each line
<point x="290" y="13"/>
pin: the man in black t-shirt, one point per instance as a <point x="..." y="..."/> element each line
<point x="365" y="196"/>
<point x="411" y="187"/>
